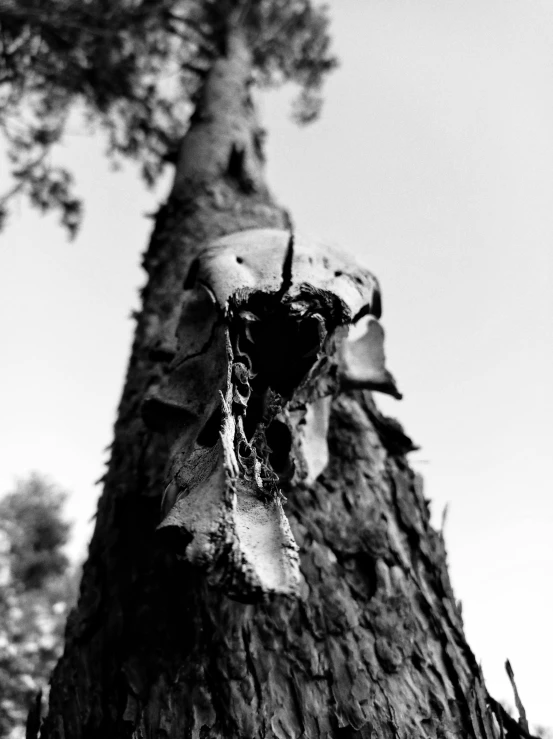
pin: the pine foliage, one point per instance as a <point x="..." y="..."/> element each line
<point x="133" y="68"/>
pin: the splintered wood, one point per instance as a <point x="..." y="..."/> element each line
<point x="262" y="349"/>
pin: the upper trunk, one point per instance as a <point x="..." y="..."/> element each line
<point x="374" y="644"/>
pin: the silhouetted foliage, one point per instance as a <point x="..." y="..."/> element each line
<point x="133" y="67"/>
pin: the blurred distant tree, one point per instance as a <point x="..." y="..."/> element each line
<point x="36" y="588"/>
<point x="31" y="516"/>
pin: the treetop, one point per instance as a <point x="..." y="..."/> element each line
<point x="134" y="69"/>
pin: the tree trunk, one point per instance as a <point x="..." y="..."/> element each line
<point x="374" y="645"/>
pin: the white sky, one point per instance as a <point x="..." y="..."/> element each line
<point x="433" y="163"/>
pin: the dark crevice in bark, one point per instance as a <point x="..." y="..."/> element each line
<point x="188" y="284"/>
<point x="237" y="171"/>
<point x="287" y="268"/>
<point x="209" y="435"/>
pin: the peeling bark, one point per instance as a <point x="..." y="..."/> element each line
<point x="261" y="350"/>
<point x="372" y="645"/>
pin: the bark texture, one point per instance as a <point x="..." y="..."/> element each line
<point x="374" y="645"/>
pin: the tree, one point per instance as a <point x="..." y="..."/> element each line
<point x="36" y="588"/>
<point x="135" y="69"/>
<point x="374" y="645"/>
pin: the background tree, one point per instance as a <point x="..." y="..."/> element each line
<point x="37" y="586"/>
<point x="377" y="645"/>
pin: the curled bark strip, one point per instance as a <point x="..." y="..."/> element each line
<point x="523" y="721"/>
<point x="363" y="363"/>
<point x="262" y="349"/>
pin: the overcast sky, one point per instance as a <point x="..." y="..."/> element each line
<point x="433" y="164"/>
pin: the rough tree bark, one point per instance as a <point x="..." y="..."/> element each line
<point x="374" y="644"/>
